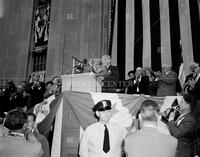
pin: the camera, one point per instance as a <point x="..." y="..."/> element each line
<point x="174" y="108"/>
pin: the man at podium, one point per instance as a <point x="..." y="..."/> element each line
<point x="109" y="76"/>
<point x="99" y="72"/>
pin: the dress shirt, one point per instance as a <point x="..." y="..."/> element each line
<point x="137" y="81"/>
<point x="197" y="77"/>
<point x="167" y="73"/>
<point x="92" y="140"/>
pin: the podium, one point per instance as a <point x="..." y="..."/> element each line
<point x="84" y="82"/>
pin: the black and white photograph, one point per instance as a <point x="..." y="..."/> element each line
<point x="99" y="78"/>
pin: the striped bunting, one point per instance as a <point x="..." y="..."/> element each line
<point x="74" y="110"/>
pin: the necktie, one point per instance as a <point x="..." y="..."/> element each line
<point x="106" y="142"/>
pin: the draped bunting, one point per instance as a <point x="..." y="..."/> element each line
<point x="74" y="110"/>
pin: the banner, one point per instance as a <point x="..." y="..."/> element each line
<point x="74" y="110"/>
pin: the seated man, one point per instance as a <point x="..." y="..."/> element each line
<point x="18" y="142"/>
<point x="149" y="142"/>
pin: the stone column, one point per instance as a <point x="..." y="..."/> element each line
<point x="186" y="34"/>
<point x="114" y="41"/>
<point x="165" y="33"/>
<point x="146" y="34"/>
<point x="130" y="24"/>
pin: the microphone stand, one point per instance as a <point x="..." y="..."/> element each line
<point x="68" y="70"/>
<point x="73" y="70"/>
<point x="73" y="64"/>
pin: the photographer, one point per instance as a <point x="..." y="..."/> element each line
<point x="183" y="127"/>
<point x="18" y="141"/>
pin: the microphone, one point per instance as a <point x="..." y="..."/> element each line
<point x="78" y="65"/>
<point x="84" y="61"/>
<point x="92" y="68"/>
<point x="76" y="59"/>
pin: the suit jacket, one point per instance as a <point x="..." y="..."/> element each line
<point x="111" y="76"/>
<point x="43" y="140"/>
<point x="130" y="87"/>
<point x="143" y="85"/>
<point x="140" y="87"/>
<point x="35" y="94"/>
<point x="112" y="73"/>
<point x="19" y="147"/>
<point x="149" y="142"/>
<point x="197" y="90"/>
<point x="167" y="84"/>
<point x="183" y="130"/>
<point x="190" y="76"/>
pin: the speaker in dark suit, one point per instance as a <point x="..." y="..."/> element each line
<point x="110" y="75"/>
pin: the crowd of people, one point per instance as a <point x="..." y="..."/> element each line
<point x="108" y="139"/>
<point x="27" y="94"/>
<point x="19" y="135"/>
<point x="20" y="105"/>
<point x="145" y="81"/>
<point x="147" y="141"/>
<point x="164" y="83"/>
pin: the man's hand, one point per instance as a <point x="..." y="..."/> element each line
<point x="34" y="85"/>
<point x="171" y="116"/>
<point x="157" y="74"/>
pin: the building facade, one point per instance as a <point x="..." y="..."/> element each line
<point x="44" y="35"/>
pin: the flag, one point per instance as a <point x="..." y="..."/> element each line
<point x="73" y="110"/>
<point x="41" y="110"/>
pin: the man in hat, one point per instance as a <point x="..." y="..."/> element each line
<point x="103" y="138"/>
